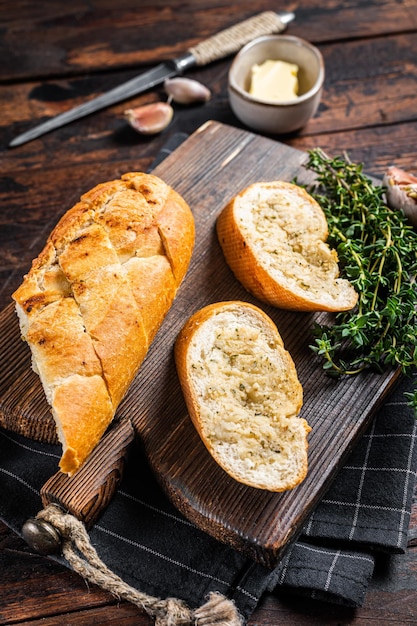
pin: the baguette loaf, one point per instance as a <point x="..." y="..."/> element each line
<point x="273" y="237"/>
<point x="95" y="297"/>
<point x="243" y="395"/>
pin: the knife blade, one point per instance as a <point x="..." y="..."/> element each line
<point x="218" y="46"/>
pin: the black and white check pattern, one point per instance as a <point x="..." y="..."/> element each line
<point x="365" y="511"/>
<point x="370" y="503"/>
<point x="151" y="546"/>
<point x="329" y="574"/>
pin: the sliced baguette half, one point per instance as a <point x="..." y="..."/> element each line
<point x="95" y="297"/>
<point x="273" y="236"/>
<point x="243" y="395"/>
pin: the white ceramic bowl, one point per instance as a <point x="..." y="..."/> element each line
<point x="269" y="117"/>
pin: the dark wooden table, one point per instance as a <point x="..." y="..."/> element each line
<point x="56" y="55"/>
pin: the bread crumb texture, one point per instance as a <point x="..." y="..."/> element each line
<point x="274" y="238"/>
<point x="245" y="397"/>
<point x="95" y="297"/>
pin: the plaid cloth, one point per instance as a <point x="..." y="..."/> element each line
<point x="144" y="539"/>
<point x="365" y="511"/>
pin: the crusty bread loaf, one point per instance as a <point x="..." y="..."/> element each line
<point x="95" y="297"/>
<point x="243" y="394"/>
<point x="273" y="238"/>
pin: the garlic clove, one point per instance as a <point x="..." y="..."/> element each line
<point x="186" y="90"/>
<point x="150" y="119"/>
<point x="401" y="192"/>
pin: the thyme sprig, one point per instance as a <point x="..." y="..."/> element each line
<point x="377" y="250"/>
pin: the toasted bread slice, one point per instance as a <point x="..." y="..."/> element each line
<point x="273" y="236"/>
<point x="243" y="395"/>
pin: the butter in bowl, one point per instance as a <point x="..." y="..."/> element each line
<point x="275" y="83"/>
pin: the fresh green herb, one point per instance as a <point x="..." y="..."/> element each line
<point x="377" y="250"/>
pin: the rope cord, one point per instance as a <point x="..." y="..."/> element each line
<point x="83" y="558"/>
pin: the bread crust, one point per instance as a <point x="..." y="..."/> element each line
<point x="95" y="297"/>
<point x="273" y="236"/>
<point x="265" y="426"/>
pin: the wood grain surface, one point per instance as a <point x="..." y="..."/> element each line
<point x="213" y="165"/>
<point x="59" y="54"/>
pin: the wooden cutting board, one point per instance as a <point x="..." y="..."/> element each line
<point x="211" y="167"/>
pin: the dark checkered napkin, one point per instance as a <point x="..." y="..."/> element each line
<point x="324" y="573"/>
<point x="366" y="510"/>
<point x="369" y="505"/>
<point x="145" y="541"/>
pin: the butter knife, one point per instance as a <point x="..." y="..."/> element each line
<point x="214" y="48"/>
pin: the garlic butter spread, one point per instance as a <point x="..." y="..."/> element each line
<point x="276" y="81"/>
<point x="246" y="396"/>
<point x="285" y="233"/>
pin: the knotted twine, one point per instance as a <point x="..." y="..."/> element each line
<point x="83" y="558"/>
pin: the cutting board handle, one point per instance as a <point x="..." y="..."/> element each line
<point x="88" y="492"/>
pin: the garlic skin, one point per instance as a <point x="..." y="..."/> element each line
<point x="150" y="119"/>
<point x="186" y="90"/>
<point x="401" y="192"/>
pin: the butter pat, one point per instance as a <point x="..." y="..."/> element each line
<point x="276" y="81"/>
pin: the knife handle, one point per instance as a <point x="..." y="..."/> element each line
<point x="88" y="492"/>
<point x="229" y="41"/>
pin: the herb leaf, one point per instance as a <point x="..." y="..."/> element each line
<point x="377" y="250"/>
